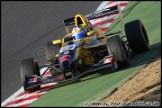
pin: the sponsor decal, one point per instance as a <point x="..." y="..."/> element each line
<point x="69" y="47"/>
<point x="65" y="57"/>
<point x="108" y="60"/>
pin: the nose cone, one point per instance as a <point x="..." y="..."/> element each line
<point x="65" y="62"/>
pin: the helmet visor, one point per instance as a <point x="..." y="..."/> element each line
<point x="80" y="34"/>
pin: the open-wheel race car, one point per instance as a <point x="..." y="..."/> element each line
<point x="85" y="49"/>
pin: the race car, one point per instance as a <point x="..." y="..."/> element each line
<point x="85" y="49"/>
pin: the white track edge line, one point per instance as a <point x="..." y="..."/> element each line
<point x="16" y="93"/>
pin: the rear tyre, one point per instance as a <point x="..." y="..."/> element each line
<point x="29" y="67"/>
<point x="51" y="51"/>
<point x="137" y="36"/>
<point x="115" y="45"/>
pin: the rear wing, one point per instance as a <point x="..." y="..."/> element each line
<point x="69" y="21"/>
<point x="101" y="13"/>
<point x="96" y="14"/>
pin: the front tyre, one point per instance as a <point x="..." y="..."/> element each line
<point x="116" y="46"/>
<point x="29" y="67"/>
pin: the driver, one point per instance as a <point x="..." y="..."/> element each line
<point x="79" y="32"/>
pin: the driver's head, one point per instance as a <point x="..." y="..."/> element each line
<point x="79" y="32"/>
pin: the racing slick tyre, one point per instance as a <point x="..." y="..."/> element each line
<point x="29" y="67"/>
<point x="116" y="46"/>
<point x="51" y="51"/>
<point x="137" y="36"/>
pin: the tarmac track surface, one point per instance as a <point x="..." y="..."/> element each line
<point x="26" y="28"/>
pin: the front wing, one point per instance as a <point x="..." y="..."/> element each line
<point x="107" y="62"/>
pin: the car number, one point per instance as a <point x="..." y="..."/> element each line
<point x="70" y="47"/>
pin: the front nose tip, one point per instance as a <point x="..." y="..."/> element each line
<point x="64" y="65"/>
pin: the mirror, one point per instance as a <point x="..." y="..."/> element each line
<point x="90" y="33"/>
